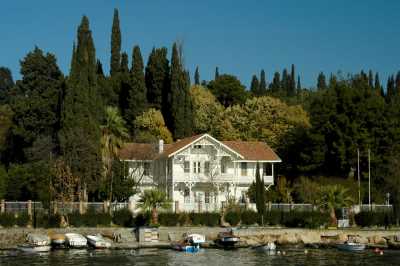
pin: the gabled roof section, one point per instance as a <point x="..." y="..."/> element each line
<point x="186" y="142"/>
<point x="253" y="150"/>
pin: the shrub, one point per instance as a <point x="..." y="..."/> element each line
<point x="273" y="217"/>
<point x="249" y="217"/>
<point x="183" y="219"/>
<point x="123" y="217"/>
<point x="211" y="219"/>
<point x="232" y="217"/>
<point x="369" y="219"/>
<point x="168" y="218"/>
<point x="75" y="219"/>
<point x="7" y="219"/>
<point x="142" y="219"/>
<point x="103" y="219"/>
<point x="45" y="221"/>
<point x="22" y="220"/>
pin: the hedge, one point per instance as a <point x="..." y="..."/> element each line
<point x="369" y="219"/>
<point x="196" y="219"/>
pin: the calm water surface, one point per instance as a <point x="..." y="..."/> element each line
<point x="208" y="257"/>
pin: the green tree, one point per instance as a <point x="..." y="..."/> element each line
<point x="3" y="181"/>
<point x="152" y="200"/>
<point x="263" y="83"/>
<point x="6" y="122"/>
<point x="298" y="85"/>
<point x="255" y="86"/>
<point x="207" y="111"/>
<point x="334" y="197"/>
<point x="275" y="86"/>
<point x="115" y="45"/>
<point x="150" y="127"/>
<point x="228" y="90"/>
<point x="216" y="76"/>
<point x="292" y="83"/>
<point x="157" y="78"/>
<point x="321" y="81"/>
<point x="6" y="84"/>
<point x="80" y="127"/>
<point x="197" y="76"/>
<point x="137" y="96"/>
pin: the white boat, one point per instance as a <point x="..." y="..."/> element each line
<point x="227" y="239"/>
<point x="269" y="247"/>
<point x="74" y="240"/>
<point x="36" y="243"/>
<point x="190" y="243"/>
<point x="97" y="241"/>
<point x="57" y="240"/>
<point x="351" y="246"/>
<point x="196" y="239"/>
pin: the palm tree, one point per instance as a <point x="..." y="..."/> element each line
<point x="334" y="197"/>
<point x="113" y="135"/>
<point x="151" y="200"/>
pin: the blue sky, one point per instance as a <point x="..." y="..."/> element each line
<point x="240" y="37"/>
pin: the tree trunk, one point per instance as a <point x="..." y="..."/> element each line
<point x="332" y="214"/>
<point x="154" y="215"/>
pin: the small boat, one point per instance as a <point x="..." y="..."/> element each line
<point x="227" y="239"/>
<point x="351" y="244"/>
<point x="36" y="243"/>
<point x="57" y="240"/>
<point x="190" y="243"/>
<point x="74" y="240"/>
<point x="269" y="247"/>
<point x="97" y="241"/>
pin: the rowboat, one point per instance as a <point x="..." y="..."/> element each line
<point x="269" y="247"/>
<point x="74" y="240"/>
<point x="227" y="239"/>
<point x="97" y="241"/>
<point x="351" y="246"/>
<point x="190" y="243"/>
<point x="36" y="243"/>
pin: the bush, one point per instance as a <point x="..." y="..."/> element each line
<point x="43" y="220"/>
<point x="232" y="217"/>
<point x="205" y="218"/>
<point x="7" y="219"/>
<point x="22" y="220"/>
<point x="142" y="219"/>
<point x="168" y="219"/>
<point x="273" y="217"/>
<point x="249" y="217"/>
<point x="369" y="219"/>
<point x="123" y="217"/>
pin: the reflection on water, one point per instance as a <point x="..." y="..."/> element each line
<point x="208" y="257"/>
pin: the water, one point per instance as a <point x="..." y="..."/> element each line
<point x="209" y="257"/>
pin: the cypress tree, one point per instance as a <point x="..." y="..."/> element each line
<point x="292" y="82"/>
<point x="276" y="83"/>
<point x="178" y="96"/>
<point x="255" y="86"/>
<point x="216" y="73"/>
<point x="321" y="82"/>
<point x="197" y="76"/>
<point x="298" y="84"/>
<point x="124" y="68"/>
<point x="285" y="84"/>
<point x="263" y="83"/>
<point x="80" y="132"/>
<point x="115" y="45"/>
<point x="188" y="106"/>
<point x="390" y="88"/>
<point x="124" y="83"/>
<point x="157" y="78"/>
<point x="137" y="100"/>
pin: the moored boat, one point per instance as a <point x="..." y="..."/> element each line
<point x="269" y="247"/>
<point x="227" y="239"/>
<point x="190" y="243"/>
<point x="74" y="240"/>
<point x="97" y="241"/>
<point x="351" y="246"/>
<point x="57" y="240"/>
<point x="36" y="243"/>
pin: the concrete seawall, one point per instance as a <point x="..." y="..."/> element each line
<point x="11" y="237"/>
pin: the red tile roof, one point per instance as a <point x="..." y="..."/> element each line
<point x="250" y="150"/>
<point x="253" y="150"/>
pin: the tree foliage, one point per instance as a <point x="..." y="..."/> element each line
<point x="150" y="127"/>
<point x="228" y="90"/>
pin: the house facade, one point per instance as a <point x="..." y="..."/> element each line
<point x="199" y="173"/>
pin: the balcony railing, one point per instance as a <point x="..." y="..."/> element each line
<point x="221" y="179"/>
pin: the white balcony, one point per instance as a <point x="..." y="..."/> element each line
<point x="268" y="180"/>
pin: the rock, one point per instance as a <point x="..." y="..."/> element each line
<point x="287" y="239"/>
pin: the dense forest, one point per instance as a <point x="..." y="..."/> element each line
<point x="59" y="134"/>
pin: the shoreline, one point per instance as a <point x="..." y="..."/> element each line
<point x="10" y="238"/>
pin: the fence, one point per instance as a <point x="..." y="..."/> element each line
<point x="59" y="207"/>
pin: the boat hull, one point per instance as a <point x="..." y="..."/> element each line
<point x="186" y="248"/>
<point x="34" y="249"/>
<point x="98" y="242"/>
<point x="351" y="247"/>
<point x="75" y="241"/>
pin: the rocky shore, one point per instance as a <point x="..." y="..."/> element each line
<point x="128" y="238"/>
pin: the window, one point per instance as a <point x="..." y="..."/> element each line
<point x="206" y="197"/>
<point x="186" y="195"/>
<point x="207" y="168"/>
<point x="197" y="146"/>
<point x="186" y="167"/>
<point x="243" y="166"/>
<point x="196" y="167"/>
<point x="146" y="169"/>
<point x="267" y="169"/>
<point x="224" y="165"/>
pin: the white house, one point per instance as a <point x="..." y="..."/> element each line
<point x="200" y="173"/>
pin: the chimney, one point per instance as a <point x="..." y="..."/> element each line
<point x="160" y="146"/>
